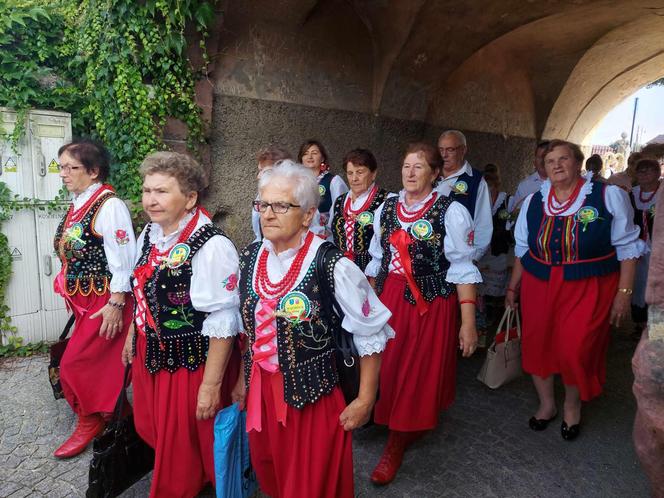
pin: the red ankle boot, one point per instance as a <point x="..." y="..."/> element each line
<point x="87" y="427"/>
<point x="389" y="463"/>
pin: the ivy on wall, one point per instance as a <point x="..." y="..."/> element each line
<point x="120" y="68"/>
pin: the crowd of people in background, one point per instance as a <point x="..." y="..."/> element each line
<point x="416" y="277"/>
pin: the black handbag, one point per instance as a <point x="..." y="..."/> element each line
<point x="56" y="352"/>
<point x="119" y="456"/>
<point x="346" y="357"/>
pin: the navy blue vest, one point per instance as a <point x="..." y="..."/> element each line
<point x="580" y="243"/>
<point x="465" y="190"/>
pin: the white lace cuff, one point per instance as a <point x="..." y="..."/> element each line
<point x="633" y="250"/>
<point x="120" y="281"/>
<point x="369" y="344"/>
<point x="463" y="273"/>
<point x="222" y="324"/>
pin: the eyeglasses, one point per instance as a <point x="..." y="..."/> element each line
<point x="68" y="169"/>
<point x="277" y="207"/>
<point x="449" y="150"/>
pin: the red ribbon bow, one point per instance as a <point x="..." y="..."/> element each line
<point x="401" y="240"/>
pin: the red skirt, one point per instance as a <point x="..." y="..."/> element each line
<point x="566" y="328"/>
<point x="91" y="368"/>
<point x="311" y="456"/>
<point x="165" y="418"/>
<point x="418" y="368"/>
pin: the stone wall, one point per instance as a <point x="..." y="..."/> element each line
<point x="241" y="126"/>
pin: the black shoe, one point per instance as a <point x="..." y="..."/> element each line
<point x="539" y="424"/>
<point x="570" y="433"/>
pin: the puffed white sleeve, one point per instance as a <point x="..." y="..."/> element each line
<point x="521" y="229"/>
<point x="113" y="223"/>
<point x="624" y="233"/>
<point x="483" y="220"/>
<point x="459" y="248"/>
<point x="375" y="249"/>
<point x="214" y="287"/>
<point x="366" y="316"/>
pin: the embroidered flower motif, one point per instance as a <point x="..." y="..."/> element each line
<point x="230" y="283"/>
<point x="366" y="307"/>
<point x="121" y="237"/>
<point x="470" y="240"/>
<point x="586" y="215"/>
<point x="179" y="297"/>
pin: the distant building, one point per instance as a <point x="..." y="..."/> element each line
<point x="602" y="150"/>
<point x="659" y="139"/>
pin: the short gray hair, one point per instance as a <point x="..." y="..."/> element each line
<point x="303" y="181"/>
<point x="190" y="175"/>
<point x="455" y="133"/>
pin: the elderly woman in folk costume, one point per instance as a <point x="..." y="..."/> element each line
<point x="422" y="259"/>
<point x="297" y="418"/>
<point x="644" y="199"/>
<point x="95" y="242"/>
<point x="576" y="251"/>
<point x="352" y="223"/>
<point x="187" y="314"/>
<point x="313" y="155"/>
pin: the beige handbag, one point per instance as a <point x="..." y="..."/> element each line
<point x="503" y="358"/>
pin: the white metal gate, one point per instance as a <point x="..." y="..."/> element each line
<point x="32" y="171"/>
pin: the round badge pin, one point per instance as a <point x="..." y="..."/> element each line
<point x="365" y="218"/>
<point x="75" y="233"/>
<point x="321" y="190"/>
<point x="422" y="230"/>
<point x="587" y="214"/>
<point x="461" y="187"/>
<point x="296" y="306"/>
<point x="178" y="255"/>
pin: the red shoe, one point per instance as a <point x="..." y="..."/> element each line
<point x="389" y="463"/>
<point x="87" y="428"/>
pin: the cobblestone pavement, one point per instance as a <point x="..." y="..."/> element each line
<point x="482" y="447"/>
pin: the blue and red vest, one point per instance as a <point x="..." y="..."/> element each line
<point x="580" y="243"/>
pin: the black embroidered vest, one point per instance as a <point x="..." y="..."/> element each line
<point x="81" y="251"/>
<point x="325" y="194"/>
<point x="427" y="251"/>
<point x="304" y="347"/>
<point x="178" y="341"/>
<point x="363" y="230"/>
<point x="501" y="238"/>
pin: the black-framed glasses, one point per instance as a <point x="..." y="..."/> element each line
<point x="277" y="207"/>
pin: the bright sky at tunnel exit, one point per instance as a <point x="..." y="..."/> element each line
<point x="649" y="118"/>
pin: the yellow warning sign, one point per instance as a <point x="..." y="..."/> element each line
<point x="10" y="166"/>
<point x="53" y="166"/>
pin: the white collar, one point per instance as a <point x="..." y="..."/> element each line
<point x="157" y="234"/>
<point x="465" y="168"/>
<point x="362" y="197"/>
<point x="80" y="199"/>
<point x="288" y="253"/>
<point x="586" y="189"/>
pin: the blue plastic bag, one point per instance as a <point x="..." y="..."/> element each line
<point x="232" y="464"/>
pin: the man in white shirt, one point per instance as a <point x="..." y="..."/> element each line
<point x="531" y="183"/>
<point x="466" y="185"/>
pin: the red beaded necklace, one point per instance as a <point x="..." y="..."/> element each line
<point x="407" y="217"/>
<point x="74" y="216"/>
<point x="555" y="211"/>
<point x="350" y="213"/>
<point x="648" y="199"/>
<point x="156" y="255"/>
<point x="268" y="290"/>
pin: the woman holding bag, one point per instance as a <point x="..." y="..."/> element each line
<point x="576" y="252"/>
<point x="187" y="315"/>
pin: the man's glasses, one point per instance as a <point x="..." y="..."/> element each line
<point x="277" y="207"/>
<point x="449" y="150"/>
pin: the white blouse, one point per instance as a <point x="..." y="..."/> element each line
<point x="365" y="316"/>
<point x="113" y="223"/>
<point x="214" y="280"/>
<point x="482" y="221"/>
<point x="458" y="246"/>
<point x="624" y="233"/>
